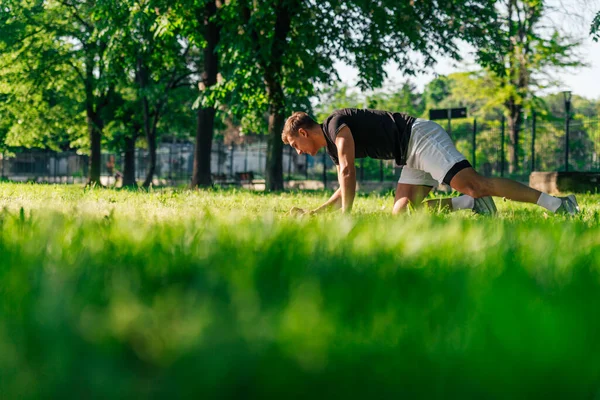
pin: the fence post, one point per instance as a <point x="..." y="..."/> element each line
<point x="380" y="170"/>
<point x="532" y="140"/>
<point x="181" y="163"/>
<point x="231" y="159"/>
<point x="362" y="169"/>
<point x="171" y="162"/>
<point x="324" y="169"/>
<point x="259" y="154"/>
<point x="68" y="169"/>
<point x="474" y="144"/>
<point x="290" y="163"/>
<point x="219" y="158"/>
<point x="306" y="166"/>
<point x="567" y="120"/>
<point x="246" y="158"/>
<point x="47" y="166"/>
<point x="502" y="148"/>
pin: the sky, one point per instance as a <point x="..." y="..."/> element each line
<point x="584" y="82"/>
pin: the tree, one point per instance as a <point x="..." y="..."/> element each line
<point x="336" y="97"/>
<point x="122" y="132"/>
<point x="200" y="23"/>
<point x="35" y="110"/>
<point x="522" y="59"/>
<point x="40" y="35"/>
<point x="206" y="18"/>
<point x="595" y="29"/>
<point x="405" y="98"/>
<point x="156" y="64"/>
<point x="280" y="49"/>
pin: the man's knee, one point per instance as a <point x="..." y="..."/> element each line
<point x="471" y="184"/>
<point x="401" y="204"/>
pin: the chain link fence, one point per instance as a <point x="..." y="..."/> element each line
<point x="487" y="145"/>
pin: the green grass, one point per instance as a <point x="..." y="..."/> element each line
<point x="117" y="294"/>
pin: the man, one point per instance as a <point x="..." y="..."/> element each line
<point x="422" y="147"/>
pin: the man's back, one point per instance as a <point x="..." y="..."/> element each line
<point x="377" y="134"/>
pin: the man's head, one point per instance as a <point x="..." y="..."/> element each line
<point x="303" y="134"/>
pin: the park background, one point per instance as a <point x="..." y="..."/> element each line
<point x="153" y="291"/>
<point x="145" y="93"/>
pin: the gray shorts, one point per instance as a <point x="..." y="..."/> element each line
<point x="431" y="155"/>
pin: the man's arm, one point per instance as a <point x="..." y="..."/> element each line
<point x="334" y="202"/>
<point x="346" y="172"/>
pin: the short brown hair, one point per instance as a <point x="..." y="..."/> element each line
<point x="298" y="120"/>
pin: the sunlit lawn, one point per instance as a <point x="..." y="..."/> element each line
<point x="112" y="294"/>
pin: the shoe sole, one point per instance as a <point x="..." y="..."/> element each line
<point x="490" y="206"/>
<point x="572" y="198"/>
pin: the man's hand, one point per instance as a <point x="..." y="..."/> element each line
<point x="298" y="212"/>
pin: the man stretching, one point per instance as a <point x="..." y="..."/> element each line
<point x="422" y="147"/>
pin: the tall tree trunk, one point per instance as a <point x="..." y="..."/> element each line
<point x="149" y="122"/>
<point x="514" y="129"/>
<point x="129" y="162"/>
<point x="95" y="134"/>
<point x="274" y="172"/>
<point x="273" y="70"/>
<point x="203" y="149"/>
<point x="150" y="129"/>
<point x="201" y="175"/>
<point x="94" y="124"/>
<point x="152" y="161"/>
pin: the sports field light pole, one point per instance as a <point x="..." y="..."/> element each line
<point x="567" y="97"/>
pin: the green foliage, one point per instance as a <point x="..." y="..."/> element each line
<point x="43" y="105"/>
<point x="526" y="50"/>
<point x="336" y="97"/>
<point x="185" y="294"/>
<point x="595" y="29"/>
<point x="356" y="32"/>
<point x="396" y="98"/>
<point x="478" y="91"/>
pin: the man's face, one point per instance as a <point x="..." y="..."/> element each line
<point x="304" y="143"/>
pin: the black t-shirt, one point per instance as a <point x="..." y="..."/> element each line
<point x="377" y="134"/>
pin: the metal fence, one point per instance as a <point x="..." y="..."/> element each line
<point x="541" y="147"/>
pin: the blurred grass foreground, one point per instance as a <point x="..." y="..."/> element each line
<point x="115" y="294"/>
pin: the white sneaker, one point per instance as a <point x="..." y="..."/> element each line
<point x="569" y="205"/>
<point x="485" y="206"/>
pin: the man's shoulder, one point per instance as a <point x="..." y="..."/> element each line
<point x="341" y="112"/>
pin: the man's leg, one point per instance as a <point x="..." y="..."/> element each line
<point x="409" y="194"/>
<point x="434" y="152"/>
<point x="453" y="204"/>
<point x="469" y="182"/>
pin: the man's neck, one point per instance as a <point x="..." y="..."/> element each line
<point x="321" y="138"/>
